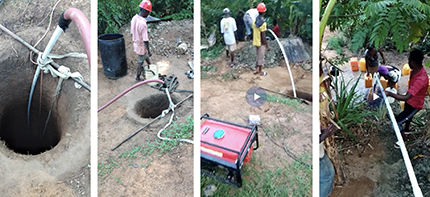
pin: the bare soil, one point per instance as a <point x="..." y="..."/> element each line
<point x="223" y="97"/>
<point x="374" y="167"/>
<point x="64" y="168"/>
<point x="169" y="173"/>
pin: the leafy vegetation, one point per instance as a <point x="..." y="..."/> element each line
<point x="144" y="151"/>
<point x="113" y="14"/>
<point x="391" y="23"/>
<point x="267" y="182"/>
<point x="336" y="43"/>
<point x="294" y="16"/>
<point x="349" y="105"/>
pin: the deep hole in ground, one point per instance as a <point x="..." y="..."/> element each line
<point x="152" y="106"/>
<point x="14" y="130"/>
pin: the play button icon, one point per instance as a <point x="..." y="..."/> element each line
<point x="256" y="96"/>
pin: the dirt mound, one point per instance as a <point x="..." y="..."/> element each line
<point x="294" y="49"/>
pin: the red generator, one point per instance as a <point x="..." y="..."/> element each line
<point x="224" y="148"/>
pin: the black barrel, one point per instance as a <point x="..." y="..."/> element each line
<point x="112" y="54"/>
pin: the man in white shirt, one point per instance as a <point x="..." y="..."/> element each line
<point x="228" y="31"/>
<point x="249" y="18"/>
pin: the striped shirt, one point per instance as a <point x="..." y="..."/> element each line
<point x="418" y="84"/>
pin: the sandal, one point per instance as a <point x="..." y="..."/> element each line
<point x="263" y="74"/>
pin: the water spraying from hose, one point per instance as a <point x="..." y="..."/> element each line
<point x="286" y="61"/>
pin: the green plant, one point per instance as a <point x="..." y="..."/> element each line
<point x="290" y="102"/>
<point x="113" y="14"/>
<point x="348" y="105"/>
<point x="398" y="21"/>
<point x="260" y="181"/>
<point x="336" y="43"/>
<point x="118" y="179"/>
<point x="213" y="52"/>
<point x="106" y="167"/>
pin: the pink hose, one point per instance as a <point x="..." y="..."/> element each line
<point x="84" y="28"/>
<point x="128" y="90"/>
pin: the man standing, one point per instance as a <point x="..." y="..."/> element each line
<point x="249" y="18"/>
<point x="228" y="31"/>
<point x="259" y="28"/>
<point x="139" y="30"/>
<point x="418" y="84"/>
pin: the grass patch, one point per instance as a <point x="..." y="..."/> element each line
<point x="296" y="104"/>
<point x="146" y="151"/>
<point x="107" y="166"/>
<point x="292" y="179"/>
<point x="213" y="52"/>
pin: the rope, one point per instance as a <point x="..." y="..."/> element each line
<point x="60" y="82"/>
<point x="165" y="112"/>
<point x="415" y="187"/>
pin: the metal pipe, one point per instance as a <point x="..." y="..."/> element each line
<point x="82" y="23"/>
<point x="55" y="65"/>
<point x="286" y="61"/>
<point x="415" y="187"/>
<point x="18" y="39"/>
<point x="159" y="116"/>
<point x="128" y="90"/>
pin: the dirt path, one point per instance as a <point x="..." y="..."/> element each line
<point x="146" y="173"/>
<point x="223" y="97"/>
<point x="378" y="169"/>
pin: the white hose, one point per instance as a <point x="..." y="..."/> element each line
<point x="286" y="61"/>
<point x="415" y="187"/>
<point x="166" y="111"/>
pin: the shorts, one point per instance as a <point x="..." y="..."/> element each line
<point x="142" y="58"/>
<point x="231" y="47"/>
<point x="326" y="176"/>
<point x="261" y="52"/>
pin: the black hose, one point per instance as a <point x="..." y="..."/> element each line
<point x="288" y="152"/>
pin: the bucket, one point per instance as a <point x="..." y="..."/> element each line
<point x="151" y="75"/>
<point x="112" y="54"/>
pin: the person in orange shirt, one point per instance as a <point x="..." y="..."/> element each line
<point x="139" y="30"/>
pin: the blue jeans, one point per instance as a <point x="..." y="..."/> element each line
<point x="248" y="24"/>
<point x="326" y="176"/>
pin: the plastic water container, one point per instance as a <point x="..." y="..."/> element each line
<point x="354" y="64"/>
<point x="394" y="91"/>
<point x="368" y="80"/>
<point x="150" y="75"/>
<point x="406" y="70"/>
<point x="362" y="65"/>
<point x="384" y="83"/>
